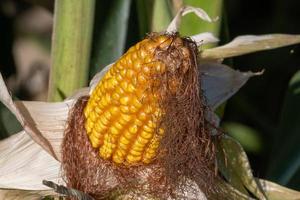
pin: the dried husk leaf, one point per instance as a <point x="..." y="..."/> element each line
<point x="25" y="194"/>
<point x="24" y="164"/>
<point x="175" y="23"/>
<point x="36" y="135"/>
<point x="220" y="82"/>
<point x="248" y="44"/>
<point x="274" y="191"/>
<point x="233" y="164"/>
<point x="48" y="118"/>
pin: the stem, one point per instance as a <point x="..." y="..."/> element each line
<point x="162" y="15"/>
<point x="71" y="45"/>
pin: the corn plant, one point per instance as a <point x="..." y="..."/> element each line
<point x="147" y="126"/>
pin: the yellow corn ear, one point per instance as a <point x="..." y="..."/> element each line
<point x="122" y="112"/>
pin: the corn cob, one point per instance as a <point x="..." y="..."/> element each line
<point x="122" y="113"/>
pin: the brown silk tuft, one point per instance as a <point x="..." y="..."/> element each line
<point x="186" y="153"/>
<point x="187" y="150"/>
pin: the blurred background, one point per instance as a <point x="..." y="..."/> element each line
<point x="264" y="116"/>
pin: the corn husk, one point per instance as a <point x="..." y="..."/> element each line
<point x="248" y="44"/>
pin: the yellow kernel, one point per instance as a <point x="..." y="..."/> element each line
<point x="142" y="53"/>
<point x="142" y="116"/>
<point x="123" y="72"/>
<point x="93" y="117"/>
<point x="135" y="153"/>
<point x="146" y="135"/>
<point x="146" y="70"/>
<point x="133" y="109"/>
<point x="114" y="130"/>
<point x="103" y="120"/>
<point x="141" y="79"/>
<point x="124" y="109"/>
<point x="119" y="66"/>
<point x="137" y="65"/>
<point x="118" y="125"/>
<point x="116" y="96"/>
<point x="130" y="88"/>
<point x="87" y="127"/>
<point x="138" y="122"/>
<point x="117" y="159"/>
<point x="130" y="73"/>
<point x="133" y="159"/>
<point x="138" y="147"/>
<point x="98" y="110"/>
<point x="141" y="140"/>
<point x="128" y="135"/>
<point x="161" y="131"/>
<point x="105" y="153"/>
<point x="148" y="58"/>
<point x="151" y="124"/>
<point x="125" y="117"/>
<point x="123" y="146"/>
<point x="133" y="129"/>
<point x="134" y="55"/>
<point x="94" y="141"/>
<point x="125" y="100"/>
<point x="123" y="140"/>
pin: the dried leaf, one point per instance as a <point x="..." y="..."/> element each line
<point x="249" y="44"/>
<point x="47" y="118"/>
<point x="233" y="164"/>
<point x="227" y="192"/>
<point x="278" y="192"/>
<point x="6" y="99"/>
<point x="175" y="23"/>
<point x="220" y="82"/>
<point x="25" y="194"/>
<point x="24" y="164"/>
<point x="204" y="38"/>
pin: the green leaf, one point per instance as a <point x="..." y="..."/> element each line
<point x="109" y="40"/>
<point x="162" y="15"/>
<point x="191" y="24"/>
<point x="234" y="165"/>
<point x="285" y="159"/>
<point x="8" y="123"/>
<point x="144" y="11"/>
<point x="71" y="45"/>
<point x="248" y="137"/>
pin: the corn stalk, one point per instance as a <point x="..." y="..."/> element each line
<point x="71" y="44"/>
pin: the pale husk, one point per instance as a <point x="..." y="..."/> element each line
<point x="248" y="44"/>
<point x="24" y="164"/>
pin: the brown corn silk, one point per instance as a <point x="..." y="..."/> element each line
<point x="186" y="153"/>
